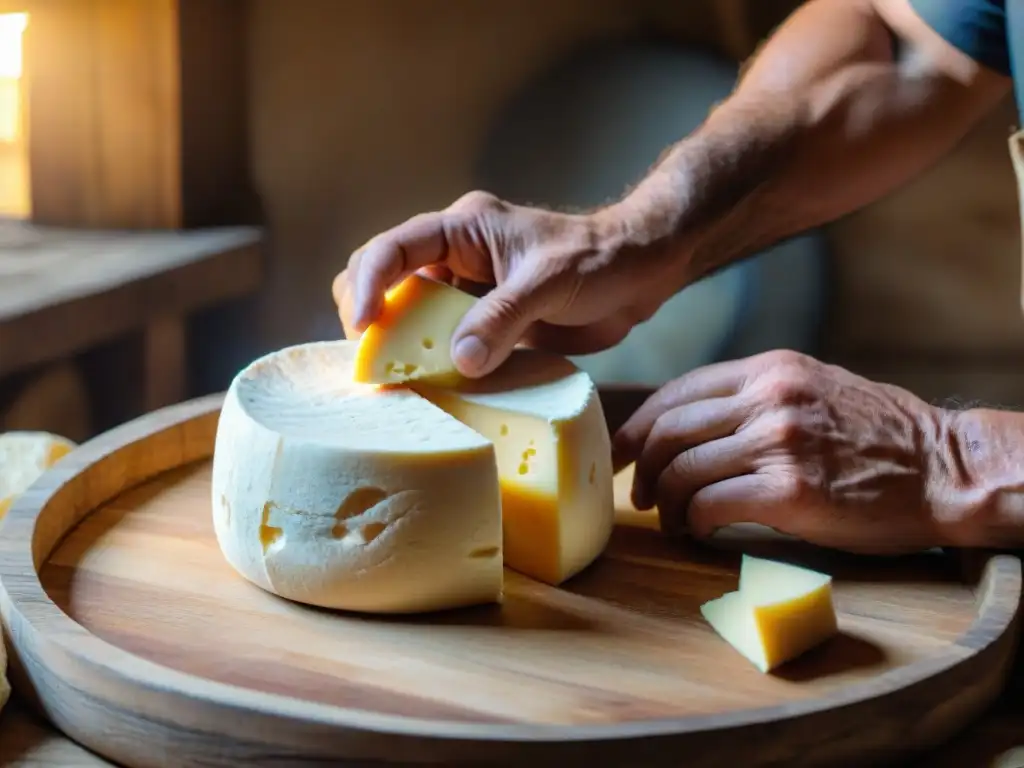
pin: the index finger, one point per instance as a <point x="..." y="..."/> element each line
<point x="390" y="257"/>
<point x="717" y="380"/>
<point x="342" y="293"/>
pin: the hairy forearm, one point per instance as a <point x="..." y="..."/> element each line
<point x="825" y="121"/>
<point x="979" y="479"/>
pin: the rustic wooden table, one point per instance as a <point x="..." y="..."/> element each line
<point x="63" y="291"/>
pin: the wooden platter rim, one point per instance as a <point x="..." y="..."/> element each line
<point x="29" y="608"/>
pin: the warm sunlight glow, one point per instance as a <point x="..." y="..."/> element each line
<point x="11" y="27"/>
<point x="13" y="147"/>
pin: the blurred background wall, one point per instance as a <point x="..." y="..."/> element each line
<point x="362" y="113"/>
<point x="368" y="111"/>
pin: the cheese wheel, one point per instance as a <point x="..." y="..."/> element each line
<point x="349" y="496"/>
<point x="343" y="496"/>
<point x="24" y="456"/>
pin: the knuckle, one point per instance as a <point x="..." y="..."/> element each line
<point x="412" y="225"/>
<point x="679" y="472"/>
<point x="477" y="202"/>
<point x="363" y="248"/>
<point x="380" y="249"/>
<point x="793" y="488"/>
<point x="785" y="358"/>
<point x="340" y="286"/>
<point x="659" y="446"/>
<point x="787" y="429"/>
<point x="663" y="428"/>
<point x="505" y="309"/>
<point x="784" y="389"/>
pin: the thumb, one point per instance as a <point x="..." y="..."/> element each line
<point x="490" y="330"/>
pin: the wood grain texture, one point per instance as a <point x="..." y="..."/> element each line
<point x="140" y="642"/>
<point x="138" y="113"/>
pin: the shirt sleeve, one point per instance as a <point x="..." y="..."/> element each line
<point x="975" y="27"/>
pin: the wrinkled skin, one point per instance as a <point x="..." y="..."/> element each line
<point x="566" y="283"/>
<point x="785" y="441"/>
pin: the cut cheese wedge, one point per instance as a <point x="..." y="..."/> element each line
<point x="779" y="612"/>
<point x="24" y="456"/>
<point x="551" y="442"/>
<point x="411" y="340"/>
<point x="344" y="495"/>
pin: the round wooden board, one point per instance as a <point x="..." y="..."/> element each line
<point x="140" y="642"/>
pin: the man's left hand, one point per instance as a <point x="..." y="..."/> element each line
<point x="806" y="448"/>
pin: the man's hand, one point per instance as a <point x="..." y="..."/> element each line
<point x="808" y="449"/>
<point x="572" y="284"/>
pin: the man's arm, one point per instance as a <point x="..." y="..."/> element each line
<point x="847" y="100"/>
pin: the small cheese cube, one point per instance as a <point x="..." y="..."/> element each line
<point x="411" y="340"/>
<point x="779" y="612"/>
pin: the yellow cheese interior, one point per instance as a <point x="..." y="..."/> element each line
<point x="553" y="512"/>
<point x="529" y="457"/>
<point x="411" y="340"/>
<point x="779" y="612"/>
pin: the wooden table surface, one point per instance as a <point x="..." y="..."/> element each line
<point x="26" y="742"/>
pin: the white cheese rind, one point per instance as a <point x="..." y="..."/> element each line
<point x="368" y="500"/>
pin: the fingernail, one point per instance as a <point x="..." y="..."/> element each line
<point x="471" y="353"/>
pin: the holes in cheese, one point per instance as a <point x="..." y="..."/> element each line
<point x="399" y="499"/>
<point x="357" y="503"/>
<point x="269" y="534"/>
<point x="486" y="552"/>
<point x="779" y="612"/>
<point x="411" y="340"/>
<point x="551" y="443"/>
<point x="414" y="488"/>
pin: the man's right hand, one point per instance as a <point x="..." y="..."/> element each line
<point x="572" y="284"/>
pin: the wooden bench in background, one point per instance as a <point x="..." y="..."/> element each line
<point x="67" y="292"/>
